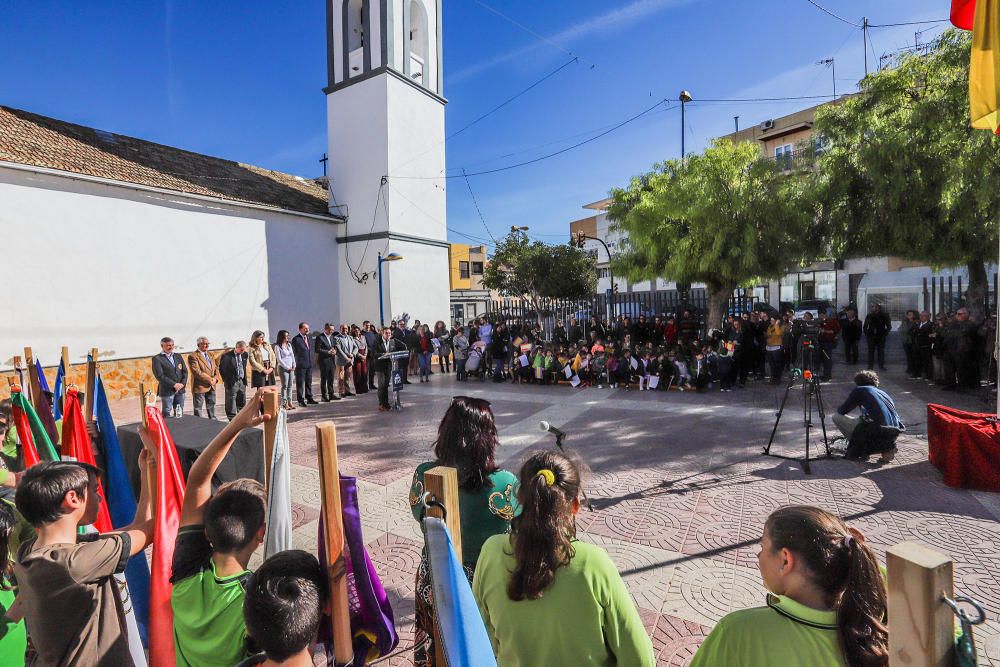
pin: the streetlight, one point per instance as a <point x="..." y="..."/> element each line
<point x="831" y="64"/>
<point x="578" y="240"/>
<point x="391" y="257"/>
<point x="684" y="97"/>
<point x="515" y="229"/>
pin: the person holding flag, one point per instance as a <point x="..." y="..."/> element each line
<point x="217" y="535"/>
<point x="66" y="581"/>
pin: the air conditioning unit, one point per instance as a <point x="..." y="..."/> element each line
<point x="767" y="125"/>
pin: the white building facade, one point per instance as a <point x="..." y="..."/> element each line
<point x="387" y="156"/>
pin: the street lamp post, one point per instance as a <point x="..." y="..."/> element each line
<point x="684" y="97"/>
<point x="391" y="257"/>
<point x="580" y="237"/>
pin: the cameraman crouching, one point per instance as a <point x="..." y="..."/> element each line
<point x="879" y="425"/>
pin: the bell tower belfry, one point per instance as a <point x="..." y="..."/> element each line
<point x="385" y="127"/>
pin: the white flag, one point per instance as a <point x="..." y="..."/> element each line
<point x="134" y="641"/>
<point x="279" y="494"/>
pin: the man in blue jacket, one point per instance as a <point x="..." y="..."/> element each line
<point x="302" y="346"/>
<point x="879" y="425"/>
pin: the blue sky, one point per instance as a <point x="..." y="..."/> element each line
<point x="243" y="81"/>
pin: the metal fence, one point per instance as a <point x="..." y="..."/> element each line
<point x="943" y="295"/>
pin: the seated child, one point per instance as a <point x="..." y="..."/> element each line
<point x="653" y="371"/>
<point x="683" y="380"/>
<point x="643" y="371"/>
<point x="726" y="367"/>
<point x="612" y="368"/>
<point x="66" y="585"/>
<point x="283" y="607"/>
<point x="599" y="368"/>
<point x="218" y="534"/>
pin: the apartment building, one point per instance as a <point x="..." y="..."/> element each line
<point x="466" y="264"/>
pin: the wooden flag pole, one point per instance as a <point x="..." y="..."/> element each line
<point x="142" y="404"/>
<point x="441" y="483"/>
<point x="271" y="406"/>
<point x="921" y="625"/>
<point x="29" y="362"/>
<point x="65" y="365"/>
<point x="91" y="385"/>
<point x="333" y="539"/>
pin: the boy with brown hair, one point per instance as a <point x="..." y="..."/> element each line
<point x="66" y="585"/>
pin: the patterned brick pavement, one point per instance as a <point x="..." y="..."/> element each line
<point x="679" y="488"/>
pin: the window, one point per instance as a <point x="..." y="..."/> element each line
<point x="418" y="41"/>
<point x="477" y="268"/>
<point x="820" y="144"/>
<point x="783" y="156"/>
<point x="463" y="270"/>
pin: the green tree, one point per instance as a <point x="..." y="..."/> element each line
<point x="535" y="271"/>
<point x="726" y="218"/>
<point x="904" y="174"/>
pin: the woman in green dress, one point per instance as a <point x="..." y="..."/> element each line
<point x="466" y="441"/>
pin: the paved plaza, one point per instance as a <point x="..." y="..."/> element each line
<point x="678" y="484"/>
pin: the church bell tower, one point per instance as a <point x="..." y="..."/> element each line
<point x="385" y="127"/>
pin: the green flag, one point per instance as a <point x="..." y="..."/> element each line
<point x="43" y="444"/>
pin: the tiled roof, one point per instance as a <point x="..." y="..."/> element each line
<point x="39" y="141"/>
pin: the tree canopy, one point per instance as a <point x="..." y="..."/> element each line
<point x="534" y="271"/>
<point x="725" y="218"/>
<point x="905" y="174"/>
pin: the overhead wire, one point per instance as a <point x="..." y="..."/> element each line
<point x="475" y="203"/>
<point x="836" y="16"/>
<point x="525" y="163"/>
<point x="528" y="30"/>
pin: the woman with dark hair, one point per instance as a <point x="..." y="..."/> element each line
<point x="466" y="441"/>
<point x="286" y="367"/>
<point x="827" y="605"/>
<point x="425" y="348"/>
<point x="262" y="361"/>
<point x="443" y="334"/>
<point x="548" y="599"/>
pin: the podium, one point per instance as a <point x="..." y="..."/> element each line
<point x="396" y="378"/>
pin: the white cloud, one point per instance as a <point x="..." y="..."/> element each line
<point x="607" y="22"/>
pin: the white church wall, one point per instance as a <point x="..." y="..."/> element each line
<point x="358" y="149"/>
<point x="91" y="264"/>
<point x="417" y="287"/>
<point x="416" y="149"/>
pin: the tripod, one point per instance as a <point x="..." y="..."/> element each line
<point x="812" y="397"/>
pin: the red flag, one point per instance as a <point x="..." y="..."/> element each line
<point x="24" y="429"/>
<point x="169" y="499"/>
<point x="962" y="13"/>
<point x="76" y="446"/>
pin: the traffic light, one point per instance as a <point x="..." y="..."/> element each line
<point x="578" y="239"/>
<point x="614" y="288"/>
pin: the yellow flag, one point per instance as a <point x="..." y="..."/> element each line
<point x="984" y="68"/>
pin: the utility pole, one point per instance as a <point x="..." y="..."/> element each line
<point x="684" y="98"/>
<point x="736" y="119"/>
<point x="864" y="32"/>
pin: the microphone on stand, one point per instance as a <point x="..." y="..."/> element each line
<point x="549" y="428"/>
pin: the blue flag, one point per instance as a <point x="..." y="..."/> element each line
<point x="43" y="384"/>
<point x="122" y="505"/>
<point x="57" y="396"/>
<point x="463" y="633"/>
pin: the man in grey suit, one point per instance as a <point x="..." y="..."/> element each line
<point x="171" y="374"/>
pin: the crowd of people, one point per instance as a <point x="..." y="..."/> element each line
<point x="545" y="597"/>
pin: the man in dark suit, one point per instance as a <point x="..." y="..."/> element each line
<point x="385" y="343"/>
<point x="326" y="355"/>
<point x="233" y="369"/>
<point x="171" y="375"/>
<point x="302" y="346"/>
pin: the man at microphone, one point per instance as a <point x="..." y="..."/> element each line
<point x="383" y="367"/>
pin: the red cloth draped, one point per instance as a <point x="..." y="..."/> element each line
<point x="965" y="446"/>
<point x="962" y="13"/>
<point x="76" y="445"/>
<point x="24" y="435"/>
<point x="169" y="499"/>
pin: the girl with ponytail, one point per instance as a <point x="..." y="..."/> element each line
<point x="827" y="606"/>
<point x="546" y="598"/>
